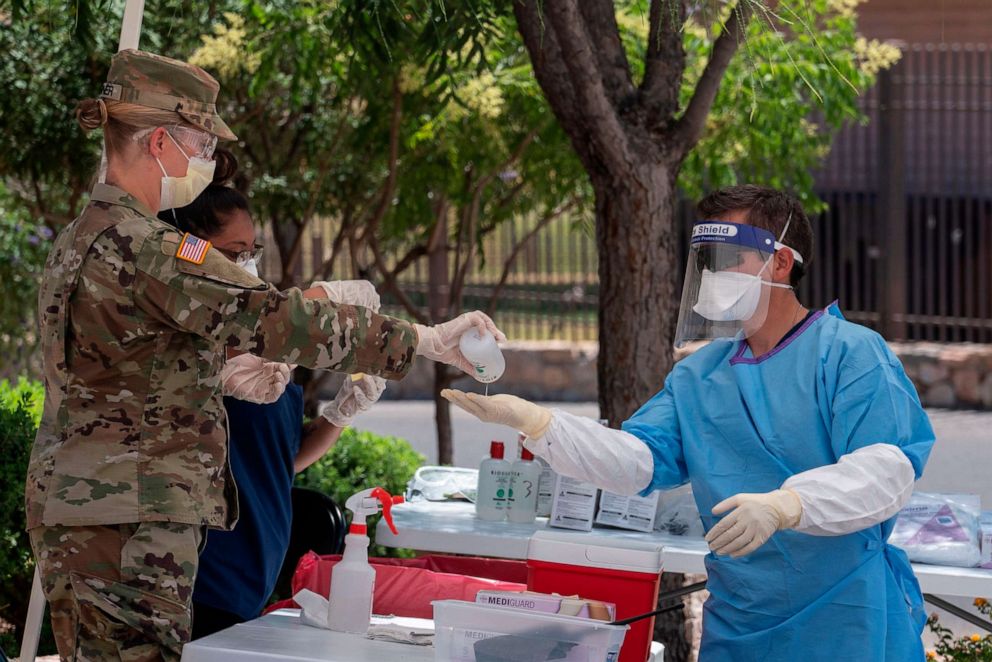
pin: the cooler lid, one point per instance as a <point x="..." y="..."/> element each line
<point x="581" y="549"/>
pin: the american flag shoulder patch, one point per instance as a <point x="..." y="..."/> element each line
<point x="193" y="249"/>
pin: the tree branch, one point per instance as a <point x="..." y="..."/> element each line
<point x="389" y="187"/>
<point x="390" y="284"/>
<point x="605" y="131"/>
<point x="664" y="61"/>
<point x="604" y="37"/>
<point x="549" y="69"/>
<point x="512" y="257"/>
<point x="689" y="128"/>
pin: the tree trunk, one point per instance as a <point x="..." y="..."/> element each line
<point x="442" y="416"/>
<point x="439" y="304"/>
<point x="635" y="236"/>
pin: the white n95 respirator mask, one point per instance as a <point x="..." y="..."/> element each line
<point x="726" y="296"/>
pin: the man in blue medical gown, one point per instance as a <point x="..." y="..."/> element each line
<point x="800" y="433"/>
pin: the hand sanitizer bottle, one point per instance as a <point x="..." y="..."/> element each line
<point x="484" y="353"/>
<point x="525" y="474"/>
<point x="353" y="579"/>
<point x="494" y="485"/>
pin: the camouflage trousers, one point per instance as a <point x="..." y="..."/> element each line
<point x="119" y="592"/>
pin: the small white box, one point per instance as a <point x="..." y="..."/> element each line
<point x="628" y="512"/>
<point x="985" y="538"/>
<point x="574" y="505"/>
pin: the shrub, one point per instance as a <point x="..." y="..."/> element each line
<point x="973" y="648"/>
<point x="20" y="413"/>
<point x="361" y="460"/>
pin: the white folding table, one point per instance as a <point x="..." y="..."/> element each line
<point x="451" y="527"/>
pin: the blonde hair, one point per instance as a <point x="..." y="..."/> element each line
<point x="121" y="121"/>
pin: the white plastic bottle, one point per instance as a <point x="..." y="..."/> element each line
<point x="545" y="488"/>
<point x="484" y="353"/>
<point x="494" y="485"/>
<point x="525" y="475"/>
<point x="353" y="579"/>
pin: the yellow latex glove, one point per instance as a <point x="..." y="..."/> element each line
<point x="752" y="521"/>
<point x="519" y="414"/>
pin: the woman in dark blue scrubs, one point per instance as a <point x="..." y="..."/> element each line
<point x="268" y="443"/>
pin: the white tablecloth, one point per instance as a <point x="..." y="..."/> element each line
<point x="281" y="636"/>
<point x="453" y="529"/>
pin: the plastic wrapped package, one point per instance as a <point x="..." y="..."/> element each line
<point x="678" y="514"/>
<point x="443" y="484"/>
<point x="941" y="529"/>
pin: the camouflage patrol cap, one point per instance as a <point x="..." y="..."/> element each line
<point x="159" y="82"/>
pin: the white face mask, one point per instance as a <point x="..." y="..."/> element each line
<point x="250" y="266"/>
<point x="180" y="191"/>
<point x="727" y="296"/>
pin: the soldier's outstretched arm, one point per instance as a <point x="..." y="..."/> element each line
<point x="217" y="299"/>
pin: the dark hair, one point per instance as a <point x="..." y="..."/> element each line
<point x="205" y="216"/>
<point x="768" y="209"/>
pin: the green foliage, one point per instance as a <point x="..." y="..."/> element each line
<point x="20" y="413"/>
<point x="973" y="648"/>
<point x="793" y="83"/>
<point x="361" y="460"/>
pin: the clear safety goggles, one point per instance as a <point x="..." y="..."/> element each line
<point x="192" y="142"/>
<point x="241" y="257"/>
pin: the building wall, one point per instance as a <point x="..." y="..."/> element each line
<point x="927" y="21"/>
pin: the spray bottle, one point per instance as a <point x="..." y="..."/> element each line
<point x="353" y="579"/>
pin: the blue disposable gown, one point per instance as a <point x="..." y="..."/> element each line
<point x="728" y="423"/>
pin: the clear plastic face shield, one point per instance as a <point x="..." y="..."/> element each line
<point x="727" y="281"/>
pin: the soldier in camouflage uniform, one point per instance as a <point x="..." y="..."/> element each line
<point x="130" y="462"/>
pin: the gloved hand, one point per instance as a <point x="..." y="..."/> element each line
<point x="353" y="398"/>
<point x="352" y="292"/>
<point x="252" y="378"/>
<point x="519" y="414"/>
<point x="753" y="520"/>
<point x="440" y="343"/>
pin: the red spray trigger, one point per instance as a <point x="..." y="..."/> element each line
<point x="387" y="501"/>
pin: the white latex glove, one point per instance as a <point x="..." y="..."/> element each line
<point x="504" y="409"/>
<point x="352" y="292"/>
<point x="354" y="397"/>
<point x="440" y="343"/>
<point x="752" y="521"/>
<point x="254" y="379"/>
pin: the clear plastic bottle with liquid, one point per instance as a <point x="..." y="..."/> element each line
<point x="525" y="476"/>
<point x="494" y="485"/>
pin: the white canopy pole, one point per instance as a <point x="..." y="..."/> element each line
<point x="131" y="25"/>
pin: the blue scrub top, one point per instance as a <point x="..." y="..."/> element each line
<point x="239" y="568"/>
<point x="729" y="422"/>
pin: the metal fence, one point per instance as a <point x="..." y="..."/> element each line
<point x="905" y="245"/>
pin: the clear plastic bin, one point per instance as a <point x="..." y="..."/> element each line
<point x="470" y="632"/>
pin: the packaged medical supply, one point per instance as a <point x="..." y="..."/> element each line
<point x="549" y="604"/>
<point x="941" y="529"/>
<point x="627" y="512"/>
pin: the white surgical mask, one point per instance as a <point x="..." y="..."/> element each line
<point x="180" y="191"/>
<point x="250" y="266"/>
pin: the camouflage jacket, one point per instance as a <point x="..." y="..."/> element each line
<point x="132" y="337"/>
